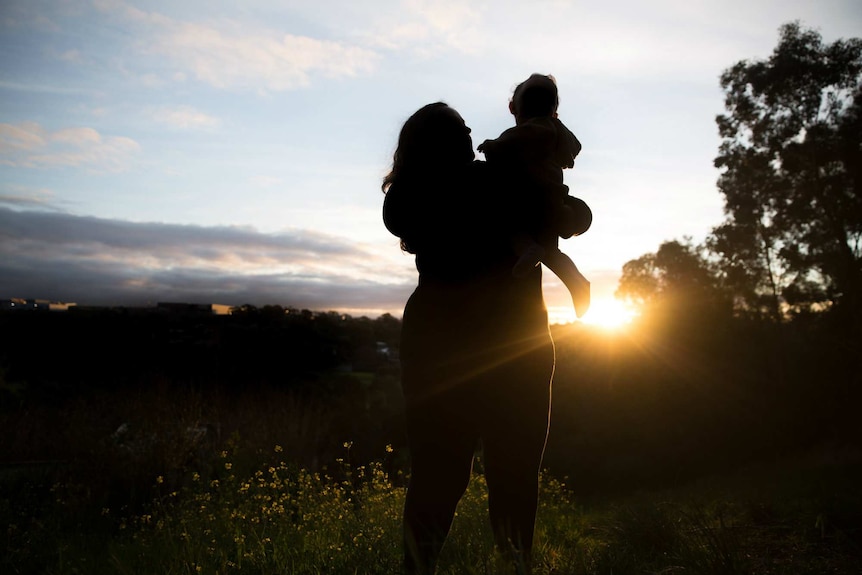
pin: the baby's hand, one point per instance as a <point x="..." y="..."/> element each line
<point x="483" y="147"/>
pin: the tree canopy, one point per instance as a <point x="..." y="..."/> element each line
<point x="677" y="281"/>
<point x="790" y="161"/>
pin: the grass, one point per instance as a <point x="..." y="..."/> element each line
<point x="84" y="496"/>
<point x="799" y="518"/>
<point x="277" y="520"/>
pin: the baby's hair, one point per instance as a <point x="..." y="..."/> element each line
<point x="536" y="96"/>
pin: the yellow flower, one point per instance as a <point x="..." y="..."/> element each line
<point x="228" y="466"/>
<point x="160" y="479"/>
<point x="278" y="449"/>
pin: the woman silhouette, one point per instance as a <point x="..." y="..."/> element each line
<point x="476" y="354"/>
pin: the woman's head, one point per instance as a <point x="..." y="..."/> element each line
<point x="434" y="140"/>
<point x="535" y="97"/>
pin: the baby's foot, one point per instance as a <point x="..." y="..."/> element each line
<point x="581" y="298"/>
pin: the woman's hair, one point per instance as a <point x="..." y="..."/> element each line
<point x="424" y="143"/>
<point x="536" y="97"/>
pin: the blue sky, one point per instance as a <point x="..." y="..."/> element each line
<point x="232" y="152"/>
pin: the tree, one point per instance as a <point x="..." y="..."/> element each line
<point x="677" y="275"/>
<point x="791" y="156"/>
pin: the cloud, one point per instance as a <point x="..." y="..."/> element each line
<point x="185" y="118"/>
<point x="230" y="55"/>
<point x="448" y="24"/>
<point x="26" y="197"/>
<point x="44" y="88"/>
<point x="71" y="56"/>
<point x="98" y="261"/>
<point x="428" y="26"/>
<point x="25" y="136"/>
<point x="29" y="145"/>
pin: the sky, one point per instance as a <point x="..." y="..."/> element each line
<point x="232" y="152"/>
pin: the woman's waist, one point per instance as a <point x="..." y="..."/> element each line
<point x="445" y="324"/>
<point x="487" y="299"/>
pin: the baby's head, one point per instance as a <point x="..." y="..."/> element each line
<point x="535" y="97"/>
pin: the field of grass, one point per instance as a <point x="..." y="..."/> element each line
<point x="688" y="451"/>
<point x="253" y="511"/>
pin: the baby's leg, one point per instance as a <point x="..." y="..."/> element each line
<point x="530" y="253"/>
<point x="565" y="269"/>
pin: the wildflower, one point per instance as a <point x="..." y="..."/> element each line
<point x="278" y="449"/>
<point x="160" y="479"/>
<point x="228" y="466"/>
<point x="389" y="449"/>
<point x="195" y="476"/>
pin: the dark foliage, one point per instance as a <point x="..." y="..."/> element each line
<point x="50" y="357"/>
<point x="684" y="395"/>
<point x="686" y="391"/>
<point x="790" y="160"/>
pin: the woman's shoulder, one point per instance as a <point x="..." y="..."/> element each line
<point x="478" y="173"/>
<point x="477" y="166"/>
<point x="482" y="180"/>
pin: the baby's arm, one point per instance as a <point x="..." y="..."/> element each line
<point x="527" y="140"/>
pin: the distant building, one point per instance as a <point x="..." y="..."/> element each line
<point x="17" y="303"/>
<point x="195" y="308"/>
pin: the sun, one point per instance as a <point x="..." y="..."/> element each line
<point x="606" y="313"/>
